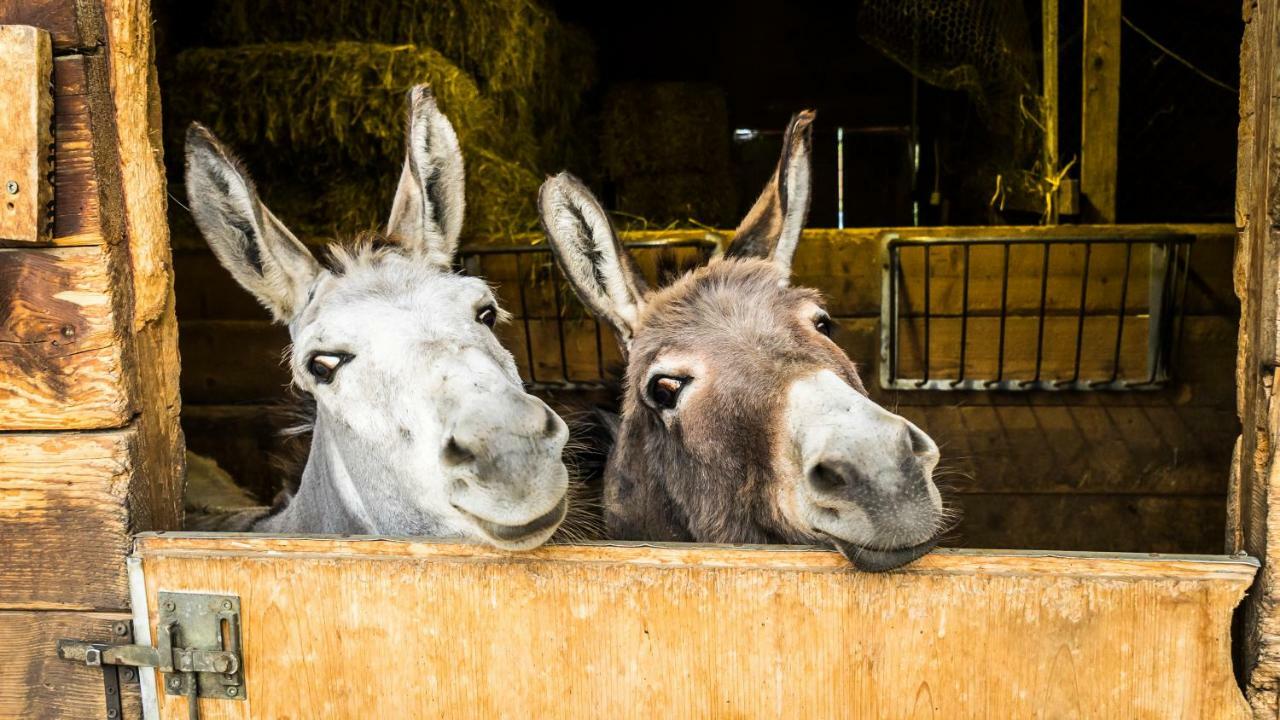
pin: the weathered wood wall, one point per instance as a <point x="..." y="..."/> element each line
<point x="90" y="447"/>
<point x="1254" y="510"/>
<point x="1105" y="471"/>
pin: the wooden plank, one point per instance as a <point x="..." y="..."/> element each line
<point x="1098" y="450"/>
<point x="1100" y="112"/>
<point x="1116" y="523"/>
<point x="35" y="684"/>
<point x="66" y="511"/>
<point x="73" y="24"/>
<point x="1257" y="269"/>
<point x="78" y="217"/>
<point x="63" y="352"/>
<point x="26" y="134"/>
<point x="228" y="361"/>
<point x="639" y="631"/>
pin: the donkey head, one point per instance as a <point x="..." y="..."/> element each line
<point x="742" y="420"/>
<point x="422" y="424"/>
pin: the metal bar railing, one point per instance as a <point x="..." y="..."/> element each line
<point x="534" y="264"/>
<point x="1055" y="362"/>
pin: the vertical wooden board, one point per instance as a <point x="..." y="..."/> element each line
<point x="140" y="153"/>
<point x="77" y="203"/>
<point x="65" y="518"/>
<point x="1100" y="115"/>
<point x="26" y="134"/>
<point x="72" y="24"/>
<point x="636" y="631"/>
<point x="35" y="684"/>
<point x="63" y="349"/>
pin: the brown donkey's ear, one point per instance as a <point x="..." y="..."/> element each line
<point x="426" y="215"/>
<point x="590" y="255"/>
<point x="772" y="227"/>
<point x="258" y="250"/>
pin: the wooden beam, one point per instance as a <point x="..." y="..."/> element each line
<point x="640" y="631"/>
<point x="36" y="685"/>
<point x="69" y="502"/>
<point x="1100" y="114"/>
<point x="64" y="346"/>
<point x="136" y="147"/>
<point x="73" y="24"/>
<point x="26" y="135"/>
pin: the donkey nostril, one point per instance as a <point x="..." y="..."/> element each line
<point x="825" y="479"/>
<point x="551" y="427"/>
<point x="456" y="454"/>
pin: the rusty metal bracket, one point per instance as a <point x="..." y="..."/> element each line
<point x="197" y="648"/>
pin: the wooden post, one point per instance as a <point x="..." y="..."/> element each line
<point x="26" y="134"/>
<point x="1100" y="112"/>
<point x="1049" y="25"/>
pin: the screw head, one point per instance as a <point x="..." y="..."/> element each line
<point x="121" y="628"/>
<point x="126" y="674"/>
<point x="226" y="604"/>
<point x="113" y="713"/>
<point x="12" y="187"/>
<point x="169" y="605"/>
<point x="175" y="682"/>
<point x="232" y="691"/>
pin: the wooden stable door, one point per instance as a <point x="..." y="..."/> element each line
<point x="380" y="628"/>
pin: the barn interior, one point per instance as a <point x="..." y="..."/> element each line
<point x="1058" y="310"/>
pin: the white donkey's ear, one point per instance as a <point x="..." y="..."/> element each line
<point x="259" y="251"/>
<point x="589" y="253"/>
<point x="427" y="213"/>
<point x="772" y="227"/>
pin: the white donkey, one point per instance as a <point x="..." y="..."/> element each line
<point x="422" y="426"/>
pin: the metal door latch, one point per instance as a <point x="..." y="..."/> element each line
<point x="197" y="649"/>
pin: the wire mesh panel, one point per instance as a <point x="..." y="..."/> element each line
<point x="1032" y="313"/>
<point x="555" y="340"/>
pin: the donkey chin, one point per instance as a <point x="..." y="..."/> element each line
<point x="867" y="475"/>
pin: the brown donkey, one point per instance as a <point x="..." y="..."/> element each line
<point x="742" y="422"/>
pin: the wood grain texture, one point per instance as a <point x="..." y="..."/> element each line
<point x="35" y="684"/>
<point x="73" y="24"/>
<point x="1256" y="494"/>
<point x="136" y="149"/>
<point x="63" y="347"/>
<point x="78" y="203"/>
<point x="135" y="93"/>
<point x="692" y="631"/>
<point x="26" y="135"/>
<point x="1100" y="111"/>
<point x="65" y="518"/>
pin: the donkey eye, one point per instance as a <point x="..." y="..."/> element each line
<point x="488" y="315"/>
<point x="664" y="390"/>
<point x="823" y="324"/>
<point x="324" y="366"/>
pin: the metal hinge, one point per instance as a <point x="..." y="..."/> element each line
<point x="197" y="648"/>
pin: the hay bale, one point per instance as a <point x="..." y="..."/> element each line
<point x="706" y="199"/>
<point x="501" y="201"/>
<point x="665" y="128"/>
<point x="515" y="49"/>
<point x="327" y="107"/>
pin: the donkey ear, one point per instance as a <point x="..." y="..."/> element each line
<point x="259" y="251"/>
<point x="772" y="227"/>
<point x="426" y="215"/>
<point x="589" y="254"/>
